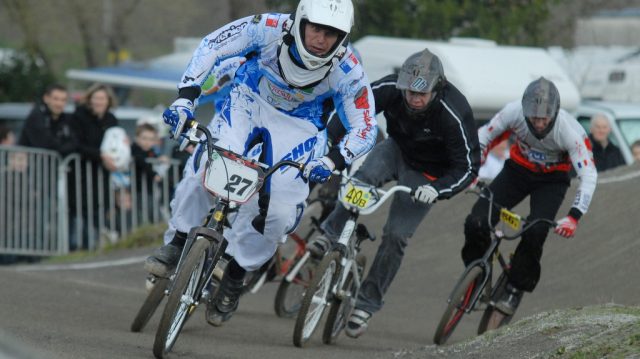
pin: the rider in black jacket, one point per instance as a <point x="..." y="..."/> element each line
<point x="432" y="146"/>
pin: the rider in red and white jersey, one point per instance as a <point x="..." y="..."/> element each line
<point x="548" y="142"/>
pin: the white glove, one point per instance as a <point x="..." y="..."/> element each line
<point x="425" y="194"/>
<point x="177" y="115"/>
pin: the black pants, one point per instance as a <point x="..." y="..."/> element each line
<point x="510" y="187"/>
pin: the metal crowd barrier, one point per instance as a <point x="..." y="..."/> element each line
<point x="50" y="205"/>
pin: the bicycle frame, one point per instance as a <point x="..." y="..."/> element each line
<point x="213" y="229"/>
<point x="355" y="195"/>
<point x="493" y="252"/>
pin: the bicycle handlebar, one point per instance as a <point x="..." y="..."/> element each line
<point x="385" y="196"/>
<point x="527" y="225"/>
<point x="210" y="141"/>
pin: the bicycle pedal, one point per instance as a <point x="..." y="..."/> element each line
<point x="363" y="233"/>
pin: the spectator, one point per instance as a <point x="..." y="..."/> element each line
<point x="635" y="151"/>
<point x="92" y="118"/>
<point x="47" y="126"/>
<point x="495" y="161"/>
<point x="606" y="155"/>
<point x="7" y="138"/>
<point x="141" y="150"/>
<point x="116" y="146"/>
<point x="16" y="161"/>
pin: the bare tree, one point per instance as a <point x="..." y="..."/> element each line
<point x="115" y="32"/>
<point x="21" y="12"/>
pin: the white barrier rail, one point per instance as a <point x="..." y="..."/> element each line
<point x="50" y="205"/>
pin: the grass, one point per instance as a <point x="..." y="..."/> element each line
<point x="144" y="236"/>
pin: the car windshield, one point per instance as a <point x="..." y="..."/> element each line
<point x="630" y="128"/>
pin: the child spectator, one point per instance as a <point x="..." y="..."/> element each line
<point x="145" y="175"/>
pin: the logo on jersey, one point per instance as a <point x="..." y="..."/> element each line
<point x="300" y="151"/>
<point x="272" y="21"/>
<point x="362" y="98"/>
<point x="349" y="63"/>
<point x="537" y="156"/>
<point x="365" y="131"/>
<point x="227" y="33"/>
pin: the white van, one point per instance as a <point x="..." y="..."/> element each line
<point x="489" y="75"/>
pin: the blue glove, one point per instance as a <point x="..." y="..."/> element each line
<point x="177" y="115"/>
<point x="318" y="170"/>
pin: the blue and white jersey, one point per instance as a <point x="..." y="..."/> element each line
<point x="258" y="39"/>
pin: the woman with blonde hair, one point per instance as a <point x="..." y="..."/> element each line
<point x="91" y="120"/>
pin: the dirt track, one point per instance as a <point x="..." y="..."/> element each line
<point x="86" y="313"/>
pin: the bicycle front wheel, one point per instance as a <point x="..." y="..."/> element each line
<point x="151" y="303"/>
<point x="289" y="296"/>
<point x="183" y="298"/>
<point x="315" y="299"/>
<point x="341" y="309"/>
<point x="460" y="302"/>
<point x="493" y="318"/>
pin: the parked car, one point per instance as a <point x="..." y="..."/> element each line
<point x="624" y="119"/>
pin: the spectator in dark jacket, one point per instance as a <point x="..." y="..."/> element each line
<point x="47" y="126"/>
<point x="91" y="119"/>
<point x="606" y="155"/>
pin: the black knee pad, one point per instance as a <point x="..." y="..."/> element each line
<point x="476" y="238"/>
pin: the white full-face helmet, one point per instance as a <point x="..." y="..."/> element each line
<point x="301" y="67"/>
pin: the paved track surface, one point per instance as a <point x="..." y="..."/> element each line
<point x="86" y="313"/>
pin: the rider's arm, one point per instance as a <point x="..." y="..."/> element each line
<point x="355" y="106"/>
<point x="577" y="143"/>
<point x="498" y="128"/>
<point x="237" y="38"/>
<point x="462" y="146"/>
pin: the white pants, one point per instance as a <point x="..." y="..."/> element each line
<point x="244" y="117"/>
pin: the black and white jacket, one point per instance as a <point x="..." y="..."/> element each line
<point x="442" y="142"/>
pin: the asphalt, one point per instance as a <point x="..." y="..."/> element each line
<point x="57" y="312"/>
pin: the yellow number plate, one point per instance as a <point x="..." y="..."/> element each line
<point x="510" y="218"/>
<point x="355" y="196"/>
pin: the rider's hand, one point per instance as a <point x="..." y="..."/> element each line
<point x="177" y="115"/>
<point x="425" y="194"/>
<point x="566" y="227"/>
<point x="318" y="170"/>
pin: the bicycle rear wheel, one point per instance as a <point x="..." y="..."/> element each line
<point x="460" y="302"/>
<point x="290" y="294"/>
<point x="493" y="318"/>
<point x="183" y="298"/>
<point x="341" y="309"/>
<point x="151" y="303"/>
<point x="315" y="299"/>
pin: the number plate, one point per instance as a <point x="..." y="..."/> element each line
<point x="232" y="178"/>
<point x="510" y="218"/>
<point x="357" y="195"/>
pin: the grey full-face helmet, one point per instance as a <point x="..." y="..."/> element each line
<point x="541" y="99"/>
<point x="421" y="72"/>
